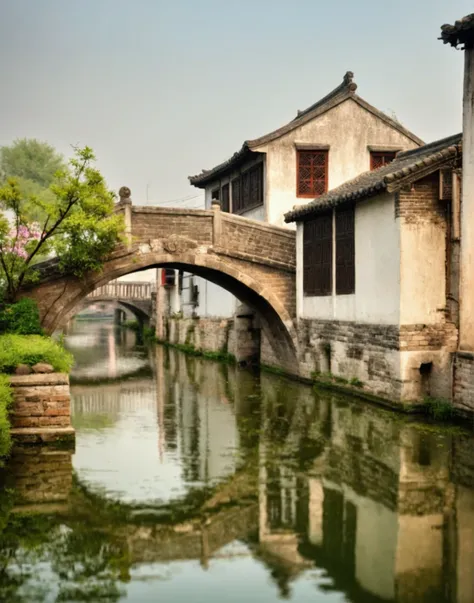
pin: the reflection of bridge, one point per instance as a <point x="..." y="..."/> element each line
<point x="135" y="296"/>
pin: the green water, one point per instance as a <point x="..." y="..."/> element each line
<point x="192" y="481"/>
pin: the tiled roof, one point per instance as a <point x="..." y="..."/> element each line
<point x="343" y="92"/>
<point x="422" y="160"/>
<point x="462" y="32"/>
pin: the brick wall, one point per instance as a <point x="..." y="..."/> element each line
<point x="421" y="203"/>
<point x="159" y="223"/>
<point x="41" y="404"/>
<point x="41" y="475"/>
<point x="260" y="240"/>
<point x="429" y="337"/>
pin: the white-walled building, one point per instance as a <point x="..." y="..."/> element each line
<point x="378" y="275"/>
<point x="331" y="141"/>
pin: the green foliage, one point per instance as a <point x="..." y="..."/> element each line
<point x="75" y="222"/>
<point x="30" y="349"/>
<point x="31" y="160"/>
<point x="439" y="408"/>
<point x="21" y="317"/>
<point x="355" y="382"/>
<point x="133" y="325"/>
<point x="5" y="401"/>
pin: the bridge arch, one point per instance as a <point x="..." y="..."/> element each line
<point x="276" y="321"/>
<point x="255" y="261"/>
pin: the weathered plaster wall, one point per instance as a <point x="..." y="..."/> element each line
<point x="348" y="153"/>
<point x="423" y="253"/>
<point x="377" y="285"/>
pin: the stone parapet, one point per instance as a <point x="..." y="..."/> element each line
<point x="41" y="409"/>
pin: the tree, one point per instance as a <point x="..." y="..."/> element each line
<point x="75" y="222"/>
<point x="30" y="161"/>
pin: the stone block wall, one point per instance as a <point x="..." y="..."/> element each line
<point x="352" y="350"/>
<point x="387" y="359"/>
<point x="41" y="406"/>
<point x="209" y="334"/>
<point x="464" y="382"/>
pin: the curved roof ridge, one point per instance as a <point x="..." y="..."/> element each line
<point x="346" y="90"/>
<point x="347" y="85"/>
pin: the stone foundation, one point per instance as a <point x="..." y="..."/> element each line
<point x="402" y="364"/>
<point x="234" y="336"/>
<point x="41" y="410"/>
<point x="464" y="382"/>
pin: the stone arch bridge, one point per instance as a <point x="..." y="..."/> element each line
<point x="132" y="295"/>
<point x="253" y="260"/>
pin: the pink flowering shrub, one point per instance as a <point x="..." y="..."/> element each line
<point x="18" y="242"/>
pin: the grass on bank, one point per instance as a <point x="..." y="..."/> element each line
<point x="30" y="349"/>
<point x="5" y="401"/>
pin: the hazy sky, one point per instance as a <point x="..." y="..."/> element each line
<point x="163" y="89"/>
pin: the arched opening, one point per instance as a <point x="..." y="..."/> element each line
<point x="275" y="320"/>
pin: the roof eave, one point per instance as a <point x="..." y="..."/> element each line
<point x="462" y="32"/>
<point x="207" y="176"/>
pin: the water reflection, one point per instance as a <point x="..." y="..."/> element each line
<point x="208" y="482"/>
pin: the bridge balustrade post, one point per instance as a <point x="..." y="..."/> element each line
<point x="216" y="222"/>
<point x="126" y="203"/>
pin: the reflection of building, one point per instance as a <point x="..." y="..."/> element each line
<point x="381" y="507"/>
<point x="199" y="421"/>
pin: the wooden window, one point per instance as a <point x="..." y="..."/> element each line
<point x="247" y="190"/>
<point x="236" y="194"/>
<point x="380" y="158"/>
<point x="225" y="198"/>
<point x="317" y="255"/>
<point x="345" y="252"/>
<point x="216" y="195"/>
<point x="312" y="173"/>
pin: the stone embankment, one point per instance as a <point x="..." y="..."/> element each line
<point x="41" y="409"/>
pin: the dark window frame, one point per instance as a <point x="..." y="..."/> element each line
<point x="249" y="192"/>
<point x="344" y="233"/>
<point x="382" y="158"/>
<point x="225" y="197"/>
<point x="318" y="256"/>
<point x="300" y="166"/>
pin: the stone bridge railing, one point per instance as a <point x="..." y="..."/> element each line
<point x="115" y="290"/>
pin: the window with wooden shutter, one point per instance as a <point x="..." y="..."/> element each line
<point x="317" y="256"/>
<point x="345" y="252"/>
<point x="247" y="189"/>
<point x="380" y="158"/>
<point x="236" y="194"/>
<point x="312" y="173"/>
<point x="225" y="197"/>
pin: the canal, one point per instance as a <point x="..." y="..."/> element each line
<point x="195" y="481"/>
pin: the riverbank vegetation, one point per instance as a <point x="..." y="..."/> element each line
<point x="31" y="349"/>
<point x="55" y="210"/>
<point x="5" y="402"/>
